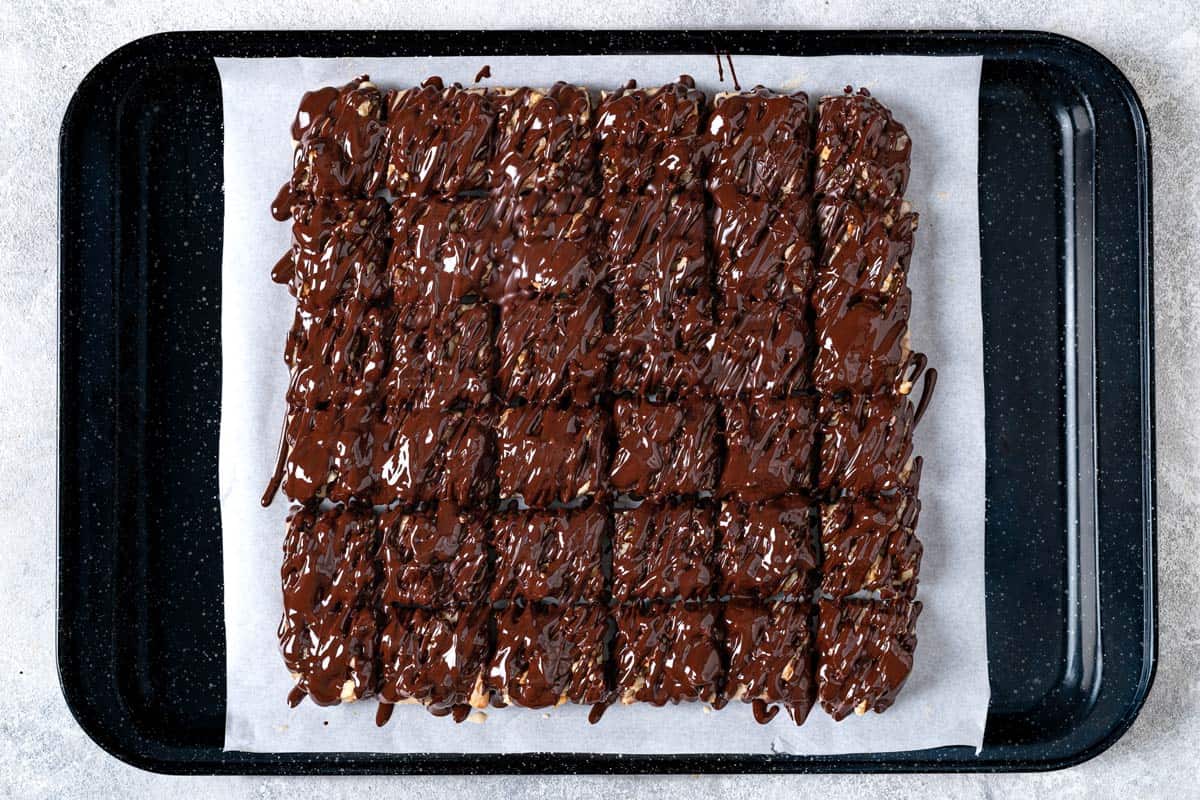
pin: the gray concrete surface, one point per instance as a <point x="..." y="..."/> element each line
<point x="47" y="47"/>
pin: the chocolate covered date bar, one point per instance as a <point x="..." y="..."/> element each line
<point x="328" y="632"/>
<point x="865" y="653"/>
<point x="432" y="558"/>
<point x="550" y="555"/>
<point x="772" y="662"/>
<point x="664" y="449"/>
<point x="549" y="454"/>
<point x="663" y="551"/>
<point x="766" y="549"/>
<point x="549" y="655"/>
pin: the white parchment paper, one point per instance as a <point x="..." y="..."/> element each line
<point x="946" y="698"/>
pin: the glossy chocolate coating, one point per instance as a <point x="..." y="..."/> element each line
<point x="763" y="352"/>
<point x="771" y="657"/>
<point x="337" y="258"/>
<point x="865" y="652"/>
<point x="766" y="549"/>
<point x="449" y="363"/>
<point x="664" y="551"/>
<point x="551" y="349"/>
<point x="869" y="545"/>
<point x="340" y="146"/>
<point x="433" y="558"/>
<point x="543" y="140"/>
<point x="763" y="250"/>
<point x="759" y="143"/>
<point x="862" y="345"/>
<point x="654" y="245"/>
<point x="438" y="139"/>
<point x="867" y="445"/>
<point x="329" y="453"/>
<point x="424" y="454"/>
<point x="548" y="454"/>
<point x="435" y="658"/>
<point x="548" y="655"/>
<point x="554" y="256"/>
<point x="668" y="654"/>
<point x="328" y="630"/>
<point x="660" y="349"/>
<point x="664" y="449"/>
<point x="862" y="157"/>
<point x="768" y="448"/>
<point x="550" y="555"/>
<point x="442" y="252"/>
<point x="868" y="256"/>
<point x="649" y="139"/>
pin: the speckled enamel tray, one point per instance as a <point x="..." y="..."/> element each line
<point x="1066" y="244"/>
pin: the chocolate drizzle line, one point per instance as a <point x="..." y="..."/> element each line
<point x="648" y="299"/>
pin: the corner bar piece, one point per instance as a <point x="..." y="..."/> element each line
<point x="340" y="147"/>
<point x="328" y="633"/>
<point x="865" y="652"/>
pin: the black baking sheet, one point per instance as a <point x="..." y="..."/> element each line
<point x="1065" y="238"/>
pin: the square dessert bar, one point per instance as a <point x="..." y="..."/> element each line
<point x="543" y="140"/>
<point x="553" y="255"/>
<point x="654" y="245"/>
<point x="449" y="363"/>
<point x="549" y="655"/>
<point x="549" y="454"/>
<point x="337" y="358"/>
<point x="664" y="449"/>
<point x="762" y="249"/>
<point x="663" y="551"/>
<point x="769" y="448"/>
<point x="869" y="545"/>
<point x="341" y="146"/>
<point x="867" y="255"/>
<point x="660" y="349"/>
<point x="766" y="549"/>
<point x="765" y="351"/>
<point x="338" y="255"/>
<point x="867" y="447"/>
<point x="865" y="651"/>
<point x="759" y="143"/>
<point x="863" y="154"/>
<point x="425" y="454"/>
<point x="328" y="630"/>
<point x="433" y="558"/>
<point x="552" y="349"/>
<point x="772" y="660"/>
<point x="668" y="654"/>
<point x="442" y="253"/>
<point x="329" y="452"/>
<point x="439" y="138"/>
<point x="863" y="345"/>
<point x="551" y="555"/>
<point x="649" y="139"/>
<point x="436" y="658"/>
